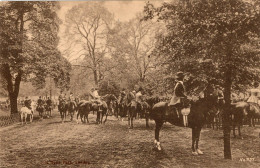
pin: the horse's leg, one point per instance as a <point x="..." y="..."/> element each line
<point x="25" y="118"/>
<point x="129" y="118"/>
<point x="87" y="117"/>
<point x="101" y="117"/>
<point x="132" y="114"/>
<point x="98" y="117"/>
<point x="193" y="140"/>
<point x="147" y="120"/>
<point x="106" y="118"/>
<point x="239" y="131"/>
<point x="234" y="130"/>
<point x="71" y="115"/>
<point x="198" y="130"/>
<point x="158" y="126"/>
<point x="22" y="118"/>
<point x="253" y="122"/>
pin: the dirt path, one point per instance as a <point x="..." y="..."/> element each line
<point x="49" y="143"/>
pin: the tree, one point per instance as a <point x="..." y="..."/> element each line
<point x="29" y="46"/>
<point x="213" y="41"/>
<point x="134" y="41"/>
<point x="86" y="34"/>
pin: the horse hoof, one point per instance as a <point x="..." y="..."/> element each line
<point x="199" y="152"/>
<point x="195" y="153"/>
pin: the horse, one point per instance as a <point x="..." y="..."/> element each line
<point x="24" y="112"/>
<point x="217" y="120"/>
<point x="238" y="112"/>
<point x="48" y="109"/>
<point x="33" y="106"/>
<point x="110" y="100"/>
<point x="104" y="112"/>
<point x="122" y="107"/>
<point x="132" y="108"/>
<point x="40" y="108"/>
<point x="84" y="108"/>
<point x="71" y="108"/>
<point x="193" y="117"/>
<point x="253" y="111"/>
<point x="149" y="103"/>
<point x="62" y="107"/>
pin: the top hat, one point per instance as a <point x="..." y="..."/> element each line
<point x="179" y="75"/>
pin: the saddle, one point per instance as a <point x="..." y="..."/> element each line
<point x="178" y="118"/>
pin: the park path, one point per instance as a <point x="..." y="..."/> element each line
<point x="50" y="143"/>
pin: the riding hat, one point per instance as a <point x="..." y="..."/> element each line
<point x="179" y="75"/>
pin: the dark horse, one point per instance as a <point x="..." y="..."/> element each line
<point x="238" y="112"/>
<point x="121" y="107"/>
<point x="40" y="109"/>
<point x="101" y="109"/>
<point x="131" y="105"/>
<point x="253" y="111"/>
<point x="72" y="107"/>
<point x="196" y="118"/>
<point x="62" y="107"/>
<point x="83" y="110"/>
<point x="48" y="109"/>
<point x="110" y="100"/>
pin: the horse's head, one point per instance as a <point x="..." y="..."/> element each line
<point x="200" y="110"/>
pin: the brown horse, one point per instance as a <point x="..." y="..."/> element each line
<point x="238" y="113"/>
<point x="131" y="109"/>
<point x="253" y="111"/>
<point x="196" y="119"/>
<point x="110" y="100"/>
<point x="83" y="110"/>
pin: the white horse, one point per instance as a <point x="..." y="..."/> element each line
<point x="24" y="112"/>
<point x="33" y="105"/>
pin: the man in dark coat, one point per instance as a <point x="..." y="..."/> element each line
<point x="27" y="103"/>
<point x="49" y="102"/>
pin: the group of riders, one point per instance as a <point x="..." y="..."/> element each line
<point x="40" y="104"/>
<point x="176" y="103"/>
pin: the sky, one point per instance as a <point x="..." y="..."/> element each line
<point x="122" y="10"/>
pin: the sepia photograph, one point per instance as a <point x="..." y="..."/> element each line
<point x="130" y="84"/>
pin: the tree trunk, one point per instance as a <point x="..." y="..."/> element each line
<point x="13" y="103"/>
<point x="95" y="77"/>
<point x="226" y="115"/>
<point x="12" y="88"/>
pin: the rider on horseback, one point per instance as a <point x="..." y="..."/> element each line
<point x="95" y="97"/>
<point x="40" y="102"/>
<point x="72" y="99"/>
<point x="27" y="103"/>
<point x="253" y="99"/>
<point x="178" y="96"/>
<point x="49" y="102"/>
<point x="61" y="98"/>
<point x="122" y="96"/>
<point x="139" y="98"/>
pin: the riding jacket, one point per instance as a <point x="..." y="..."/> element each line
<point x="179" y="92"/>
